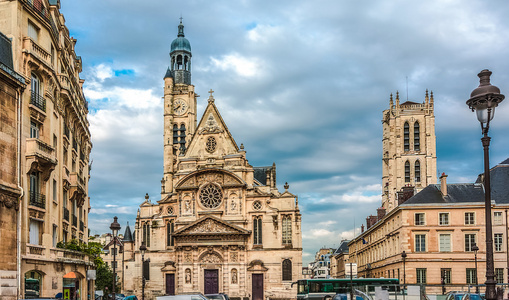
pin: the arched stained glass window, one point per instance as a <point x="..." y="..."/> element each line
<point x="417" y="144"/>
<point x="287" y="270"/>
<point x="406" y="137"/>
<point x="417" y="171"/>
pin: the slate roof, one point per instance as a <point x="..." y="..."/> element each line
<point x="260" y="174"/>
<point x="127" y="234"/>
<point x="467" y="192"/>
<point x="343" y="248"/>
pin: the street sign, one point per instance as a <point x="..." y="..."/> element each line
<point x="351" y="269"/>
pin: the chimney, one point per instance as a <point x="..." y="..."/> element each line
<point x="405" y="193"/>
<point x="380" y="213"/>
<point x="362" y="228"/>
<point x="443" y="184"/>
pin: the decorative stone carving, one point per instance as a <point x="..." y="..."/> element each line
<point x="211" y="126"/>
<point x="234" y="276"/>
<point x="8" y="200"/>
<point x="188" y="257"/>
<point x="188" y="276"/>
<point x="209" y="226"/>
<point x="234" y="257"/>
<point x="211" y="258"/>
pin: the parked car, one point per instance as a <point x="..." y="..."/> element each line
<point x="464" y="296"/>
<point x="197" y="296"/>
<point x="345" y="297"/>
<point x="219" y="296"/>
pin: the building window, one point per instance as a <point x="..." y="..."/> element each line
<point x="55" y="235"/>
<point x="469" y="242"/>
<point x="170" y="226"/>
<point x="35" y="232"/>
<point x="417" y="171"/>
<point x="446" y="276"/>
<point x="407" y="171"/>
<point x="406" y="137"/>
<point x="469" y="218"/>
<point x="34" y="130"/>
<point x="443" y="219"/>
<point x="33" y="31"/>
<point x="417" y="146"/>
<point x="498" y="242"/>
<point x="445" y="243"/>
<point x="257" y="230"/>
<point x="146" y="269"/>
<point x="182" y="138"/>
<point x="287" y="270"/>
<point x="420" y="243"/>
<point x="146" y="234"/>
<point x="287" y="229"/>
<point x="497" y="218"/>
<point x="33" y="282"/>
<point x="471" y="276"/>
<point x="420" y="219"/>
<point x="54" y="190"/>
<point x="499" y="275"/>
<point x="421" y="275"/>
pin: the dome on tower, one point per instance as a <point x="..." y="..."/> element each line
<point x="180" y="43"/>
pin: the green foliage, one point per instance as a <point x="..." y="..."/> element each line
<point x="93" y="249"/>
<point x="105" y="279"/>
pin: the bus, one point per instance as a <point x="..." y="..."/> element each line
<point x="325" y="289"/>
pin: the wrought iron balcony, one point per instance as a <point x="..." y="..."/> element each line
<point x="37" y="199"/>
<point x="74" y="221"/>
<point x="38" y="101"/>
<point x="66" y="214"/>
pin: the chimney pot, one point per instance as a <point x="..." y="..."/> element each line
<point x="443" y="184"/>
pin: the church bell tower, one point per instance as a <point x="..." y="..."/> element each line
<point x="179" y="108"/>
<point x="409" y="149"/>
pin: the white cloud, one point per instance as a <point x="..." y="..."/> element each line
<point x="243" y="66"/>
<point x="103" y="72"/>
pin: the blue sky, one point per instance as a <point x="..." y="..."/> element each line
<point x="299" y="83"/>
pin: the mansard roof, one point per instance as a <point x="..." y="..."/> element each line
<point x="467" y="192"/>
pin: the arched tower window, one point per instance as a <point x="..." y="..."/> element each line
<point x="287" y="229"/>
<point x="170" y="227"/>
<point x="186" y="62"/>
<point x="175" y="134"/>
<point x="406" y="137"/>
<point x="417" y="171"/>
<point x="407" y="171"/>
<point x="257" y="230"/>
<point x="417" y="146"/>
<point x="182" y="138"/>
<point x="287" y="270"/>
<point x="146" y="234"/>
<point x="179" y="62"/>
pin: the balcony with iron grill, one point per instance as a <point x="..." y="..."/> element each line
<point x="66" y="214"/>
<point x="74" y="221"/>
<point x="38" y="101"/>
<point x="37" y="199"/>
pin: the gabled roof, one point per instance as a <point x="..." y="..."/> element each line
<point x="211" y="225"/>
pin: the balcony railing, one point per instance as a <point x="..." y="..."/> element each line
<point x="37" y="199"/>
<point x="74" y="221"/>
<point x="38" y="101"/>
<point x="39" y="7"/>
<point x="66" y="214"/>
<point x="35" y="249"/>
<point x="82" y="226"/>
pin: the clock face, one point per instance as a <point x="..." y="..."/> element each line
<point x="180" y="106"/>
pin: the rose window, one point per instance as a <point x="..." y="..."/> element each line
<point x="210" y="196"/>
<point x="211" y="144"/>
<point x="170" y="210"/>
<point x="257" y="205"/>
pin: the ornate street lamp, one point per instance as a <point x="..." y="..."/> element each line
<point x="115" y="227"/>
<point x="475" y="248"/>
<point x="483" y="100"/>
<point x="143" y="248"/>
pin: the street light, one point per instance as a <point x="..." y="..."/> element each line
<point x="143" y="248"/>
<point x="475" y="248"/>
<point x="483" y="100"/>
<point x="115" y="227"/>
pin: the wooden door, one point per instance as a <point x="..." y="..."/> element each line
<point x="211" y="282"/>
<point x="257" y="287"/>
<point x="170" y="284"/>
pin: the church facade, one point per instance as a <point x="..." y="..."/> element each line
<point x="221" y="224"/>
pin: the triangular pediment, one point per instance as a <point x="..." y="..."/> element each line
<point x="211" y="226"/>
<point x="212" y="137"/>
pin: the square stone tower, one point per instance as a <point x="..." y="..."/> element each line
<point x="409" y="148"/>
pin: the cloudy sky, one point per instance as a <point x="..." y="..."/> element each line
<point x="299" y="83"/>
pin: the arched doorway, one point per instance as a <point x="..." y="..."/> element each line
<point x="33" y="284"/>
<point x="72" y="288"/>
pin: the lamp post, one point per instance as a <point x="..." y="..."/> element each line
<point x="403" y="255"/>
<point x="483" y="100"/>
<point x="115" y="227"/>
<point x="143" y="248"/>
<point x="475" y="248"/>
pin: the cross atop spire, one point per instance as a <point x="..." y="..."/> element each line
<point x="211" y="97"/>
<point x="181" y="18"/>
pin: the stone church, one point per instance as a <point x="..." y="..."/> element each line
<point x="221" y="224"/>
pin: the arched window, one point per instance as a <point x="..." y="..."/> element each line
<point x="146" y="234"/>
<point x="287" y="229"/>
<point x="406" y="137"/>
<point x="33" y="282"/>
<point x="407" y="171"/>
<point x="186" y="62"/>
<point x="287" y="270"/>
<point x="170" y="226"/>
<point x="182" y="138"/>
<point x="179" y="62"/>
<point x="175" y="134"/>
<point x="257" y="230"/>
<point x="417" y="171"/>
<point x="417" y="145"/>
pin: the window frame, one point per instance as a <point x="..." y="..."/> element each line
<point x="420" y="275"/>
<point x="440" y="223"/>
<point x="420" y="221"/>
<point x="440" y="242"/>
<point x="420" y="242"/>
<point x="498" y="242"/>
<point x="286" y="229"/>
<point x="469" y="218"/>
<point x="286" y="270"/>
<point x="469" y="242"/>
<point x="497" y="218"/>
<point x="257" y="230"/>
<point x="471" y="276"/>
